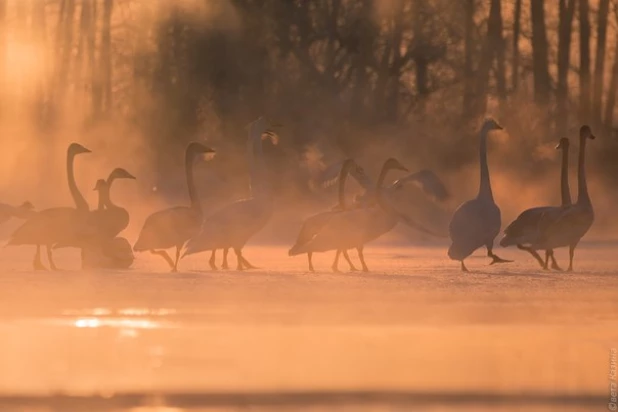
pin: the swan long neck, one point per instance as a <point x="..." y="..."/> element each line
<point x="380" y="183"/>
<point x="189" y="159"/>
<point x="343" y="175"/>
<point x="257" y="166"/>
<point x="78" y="198"/>
<point x="565" y="192"/>
<point x="105" y="200"/>
<point x="485" y="182"/>
<point x="582" y="187"/>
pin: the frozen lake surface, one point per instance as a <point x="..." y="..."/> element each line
<point x="414" y="334"/>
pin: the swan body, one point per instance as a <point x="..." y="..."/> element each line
<point x="526" y="229"/>
<point x="313" y="224"/>
<point x="348" y="229"/>
<point x="172" y="227"/>
<point x="233" y="225"/>
<point x="476" y="223"/>
<point x="57" y="225"/>
<point x="567" y="226"/>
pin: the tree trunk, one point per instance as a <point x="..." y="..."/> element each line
<point x="479" y="103"/>
<point x="584" y="61"/>
<point x="469" y="58"/>
<point x="599" y="61"/>
<point x="611" y="94"/>
<point x="567" y="8"/>
<point x="539" y="52"/>
<point x="498" y="47"/>
<point x="106" y="56"/>
<point x="516" y="32"/>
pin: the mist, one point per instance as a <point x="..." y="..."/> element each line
<point x="135" y="81"/>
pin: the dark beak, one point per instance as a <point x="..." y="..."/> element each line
<point x="592" y="136"/>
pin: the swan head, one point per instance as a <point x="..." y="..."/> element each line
<point x="119" y="173"/>
<point x="26" y="206"/>
<point x="76" y="148"/>
<point x="490" y="124"/>
<point x="100" y="185"/>
<point x="394" y="164"/>
<point x="265" y="129"/>
<point x="563" y="143"/>
<point x="585" y="132"/>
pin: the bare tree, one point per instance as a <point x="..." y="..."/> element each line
<point x="584" y="61"/>
<point x="613" y="86"/>
<point x="567" y="8"/>
<point x="599" y="62"/>
<point x="542" y="84"/>
<point x="516" y="33"/>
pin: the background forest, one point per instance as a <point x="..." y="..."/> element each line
<point x="135" y="80"/>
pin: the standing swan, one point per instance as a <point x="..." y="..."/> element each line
<point x="351" y="229"/>
<point x="568" y="227"/>
<point x="58" y="224"/>
<point x="477" y="222"/>
<point x="526" y="228"/>
<point x="172" y="227"/>
<point x="313" y="224"/>
<point x="233" y="225"/>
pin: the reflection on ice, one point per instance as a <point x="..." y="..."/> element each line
<point x="116" y="323"/>
<point x="121" y="312"/>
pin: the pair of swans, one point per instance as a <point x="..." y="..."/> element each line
<point x="347" y="227"/>
<point x="550" y="227"/>
<point x="229" y="227"/>
<point x="73" y="226"/>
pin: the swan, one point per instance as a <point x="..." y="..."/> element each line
<point x="567" y="227"/>
<point x="313" y="224"/>
<point x="59" y="224"/>
<point x="233" y="225"/>
<point x="172" y="227"/>
<point x="476" y="222"/>
<point x="108" y="250"/>
<point x="385" y="214"/>
<point x="525" y="229"/>
<point x="23" y="211"/>
<point x="351" y="229"/>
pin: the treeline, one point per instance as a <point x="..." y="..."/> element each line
<point x="420" y="73"/>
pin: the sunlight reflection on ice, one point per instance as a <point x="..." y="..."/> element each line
<point x="123" y="312"/>
<point x="116" y="323"/>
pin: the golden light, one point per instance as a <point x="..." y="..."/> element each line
<point x="23" y="64"/>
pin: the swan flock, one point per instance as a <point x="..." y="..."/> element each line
<point x="347" y="226"/>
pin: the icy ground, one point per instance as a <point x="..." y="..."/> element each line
<point x="414" y="334"/>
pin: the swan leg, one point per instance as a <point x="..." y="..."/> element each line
<point x="554" y="264"/>
<point x="309" y="256"/>
<point x="36" y="263"/>
<point x="495" y="258"/>
<point x="165" y="256"/>
<point x="463" y="267"/>
<point x="361" y="256"/>
<point x="534" y="255"/>
<point x="335" y="265"/>
<point x="175" y="266"/>
<point x="50" y="258"/>
<point x="571" y="255"/>
<point x="239" y="258"/>
<point x="246" y="263"/>
<point x="347" y="258"/>
<point x="212" y="262"/>
<point x="225" y="265"/>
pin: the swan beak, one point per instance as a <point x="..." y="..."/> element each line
<point x="130" y="176"/>
<point x="592" y="136"/>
